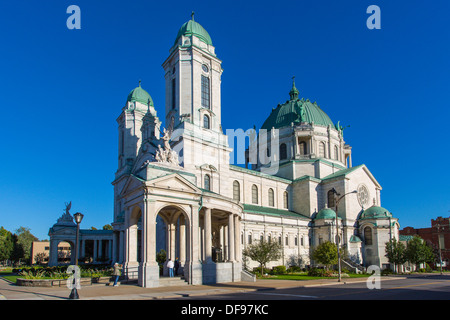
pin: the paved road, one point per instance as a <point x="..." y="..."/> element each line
<point x="431" y="287"/>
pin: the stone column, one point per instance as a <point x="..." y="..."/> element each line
<point x="100" y="248"/>
<point x="83" y="248"/>
<point x="208" y="244"/>
<point x="172" y="236"/>
<point x="114" y="243"/>
<point x="53" y="258"/>
<point x="121" y="246"/>
<point x="231" y="245"/>
<point x="237" y="242"/>
<point x="225" y="243"/>
<point x="192" y="266"/>
<point x="182" y="241"/>
<point x="148" y="267"/>
<point x="94" y="258"/>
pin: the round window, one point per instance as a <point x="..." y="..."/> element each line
<point x="363" y="195"/>
<point x="205" y="68"/>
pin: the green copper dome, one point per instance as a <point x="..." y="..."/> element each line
<point x="296" y="111"/>
<point x="375" y="212"/>
<point x="194" y="28"/>
<point x="140" y="95"/>
<point x="326" y="213"/>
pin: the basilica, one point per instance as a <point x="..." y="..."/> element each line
<point x="176" y="188"/>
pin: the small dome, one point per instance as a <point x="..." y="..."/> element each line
<point x="326" y="213"/>
<point x="375" y="212"/>
<point x="140" y="95"/>
<point x="194" y="28"/>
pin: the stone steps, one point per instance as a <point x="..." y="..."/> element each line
<point x="174" y="281"/>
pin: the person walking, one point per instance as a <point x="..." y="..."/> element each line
<point x="170" y="265"/>
<point x="117" y="273"/>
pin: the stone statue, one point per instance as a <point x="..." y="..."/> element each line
<point x="166" y="155"/>
<point x="68" y="206"/>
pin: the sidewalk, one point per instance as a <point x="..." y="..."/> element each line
<point x="9" y="291"/>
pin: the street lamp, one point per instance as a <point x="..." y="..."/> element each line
<point x="438" y="227"/>
<point x="78" y="218"/>
<point x="337" y="200"/>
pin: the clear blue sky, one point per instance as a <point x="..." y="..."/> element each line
<point x="61" y="91"/>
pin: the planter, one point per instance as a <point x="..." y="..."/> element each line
<point x="34" y="282"/>
<point x="100" y="279"/>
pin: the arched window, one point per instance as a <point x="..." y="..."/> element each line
<point x="174" y="94"/>
<point x="331" y="200"/>
<point x="285" y="200"/>
<point x="336" y="153"/>
<point x="283" y="151"/>
<point x="236" y="191"/>
<point x="207" y="184"/>
<point x="271" y="198"/>
<point x="302" y="148"/>
<point x="205" y="92"/>
<point x="367" y="236"/>
<point x="254" y="194"/>
<point x="206" y="122"/>
<point x="321" y="149"/>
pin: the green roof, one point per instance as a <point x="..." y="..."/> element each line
<point x="250" y="208"/>
<point x="375" y="212"/>
<point x="326" y="213"/>
<point x="296" y="111"/>
<point x="342" y="172"/>
<point x="354" y="239"/>
<point x="194" y="28"/>
<point x="402" y="237"/>
<point x="140" y="95"/>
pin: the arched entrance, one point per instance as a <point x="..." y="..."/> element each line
<point x="172" y="235"/>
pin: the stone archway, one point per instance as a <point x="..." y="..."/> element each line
<point x="175" y="230"/>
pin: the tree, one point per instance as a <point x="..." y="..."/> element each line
<point x="262" y="252"/>
<point x="107" y="227"/>
<point x="395" y="252"/>
<point x="418" y="251"/>
<point x="24" y="241"/>
<point x="6" y="244"/>
<point x="326" y="254"/>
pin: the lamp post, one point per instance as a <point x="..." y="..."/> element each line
<point x="78" y="217"/>
<point x="337" y="200"/>
<point x="438" y="227"/>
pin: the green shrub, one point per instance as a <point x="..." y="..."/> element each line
<point x="386" y="272"/>
<point x="257" y="271"/>
<point x="279" y="270"/>
<point x="316" y="272"/>
<point x="293" y="269"/>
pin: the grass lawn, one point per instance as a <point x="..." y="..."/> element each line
<point x="304" y="276"/>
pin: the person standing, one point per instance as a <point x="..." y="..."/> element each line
<point x="170" y="265"/>
<point x="177" y="265"/>
<point x="117" y="273"/>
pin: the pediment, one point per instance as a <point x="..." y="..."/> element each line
<point x="173" y="182"/>
<point x="132" y="184"/>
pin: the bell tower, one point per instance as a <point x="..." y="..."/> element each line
<point x="193" y="97"/>
<point x="193" y="75"/>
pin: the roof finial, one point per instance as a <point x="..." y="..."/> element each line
<point x="294" y="92"/>
<point x="139" y="82"/>
<point x="192" y="16"/>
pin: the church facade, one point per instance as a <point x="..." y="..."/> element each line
<point x="176" y="190"/>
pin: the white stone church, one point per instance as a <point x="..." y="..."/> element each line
<point x="176" y="190"/>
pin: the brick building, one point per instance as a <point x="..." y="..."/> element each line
<point x="438" y="233"/>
